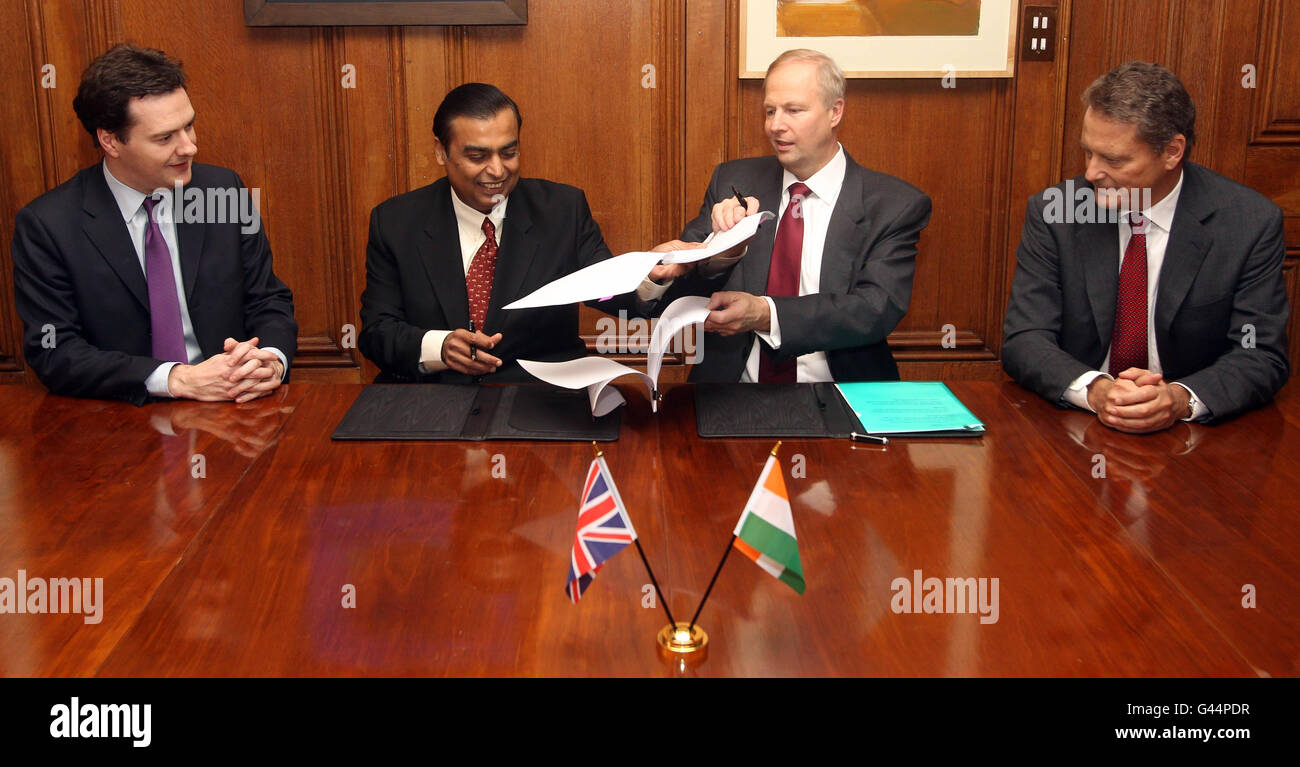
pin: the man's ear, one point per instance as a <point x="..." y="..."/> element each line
<point x="108" y="142"/>
<point x="837" y="113"/>
<point x="1174" y="151"/>
<point x="439" y="151"/>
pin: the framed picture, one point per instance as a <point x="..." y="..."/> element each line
<point x="884" y="38"/>
<point x="309" y="13"/>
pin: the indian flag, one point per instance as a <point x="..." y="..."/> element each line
<point x="765" y="532"/>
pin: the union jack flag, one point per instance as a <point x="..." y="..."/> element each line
<point x="603" y="529"/>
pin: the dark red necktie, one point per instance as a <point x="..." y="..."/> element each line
<point x="1128" y="341"/>
<point x="783" y="279"/>
<point x="478" y="281"/>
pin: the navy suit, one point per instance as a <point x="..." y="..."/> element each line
<point x="76" y="269"/>
<point x="1222" y="274"/>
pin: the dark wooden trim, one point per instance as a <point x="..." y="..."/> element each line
<point x="266" y="13"/>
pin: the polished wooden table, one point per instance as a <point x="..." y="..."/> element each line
<point x="457" y="552"/>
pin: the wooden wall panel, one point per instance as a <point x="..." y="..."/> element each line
<point x="272" y="104"/>
<point x="22" y="166"/>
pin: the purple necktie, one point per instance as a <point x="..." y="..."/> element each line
<point x="164" y="305"/>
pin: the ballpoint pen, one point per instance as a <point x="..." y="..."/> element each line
<point x="473" y="350"/>
<point x="740" y="198"/>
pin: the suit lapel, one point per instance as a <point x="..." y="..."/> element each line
<point x="1189" y="242"/>
<point x="519" y="246"/>
<point x="837" y="251"/>
<point x="439" y="251"/>
<point x="189" y="239"/>
<point x="1098" y="247"/>
<point x="756" y="262"/>
<point x="104" y="226"/>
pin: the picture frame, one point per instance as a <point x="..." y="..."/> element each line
<point x="281" y="13"/>
<point x="885" y="41"/>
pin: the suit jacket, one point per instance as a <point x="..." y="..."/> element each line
<point x="866" y="273"/>
<point x="1222" y="272"/>
<point x="415" y="278"/>
<point x="75" y="268"/>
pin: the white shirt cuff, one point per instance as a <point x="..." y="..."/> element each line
<point x="1199" y="410"/>
<point x="431" y="351"/>
<point x="773" y="335"/>
<point x="649" y="290"/>
<point x="284" y="361"/>
<point x="1077" y="393"/>
<point x="156" y="383"/>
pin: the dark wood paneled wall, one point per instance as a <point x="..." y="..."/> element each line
<point x="272" y="104"/>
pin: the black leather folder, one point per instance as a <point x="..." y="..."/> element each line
<point x="772" y="410"/>
<point x="456" y="412"/>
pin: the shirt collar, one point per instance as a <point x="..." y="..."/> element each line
<point x="130" y="200"/>
<point x="826" y="183"/>
<point x="1162" y="213"/>
<point x="473" y="219"/>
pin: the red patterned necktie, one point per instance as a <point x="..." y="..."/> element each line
<point x="783" y="279"/>
<point x="1128" y="341"/>
<point x="478" y="281"/>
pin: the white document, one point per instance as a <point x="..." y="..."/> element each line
<point x="596" y="373"/>
<point x="687" y="310"/>
<point x="623" y="274"/>
<point x="721" y="242"/>
<point x="611" y="277"/>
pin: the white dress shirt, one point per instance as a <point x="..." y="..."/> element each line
<point x="131" y="204"/>
<point x="469" y="225"/>
<point x="1160" y="219"/>
<point x="824" y="189"/>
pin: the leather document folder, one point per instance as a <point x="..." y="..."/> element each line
<point x="466" y="412"/>
<point x="772" y="410"/>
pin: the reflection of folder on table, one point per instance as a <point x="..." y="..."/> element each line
<point x="772" y="410"/>
<point x="456" y="412"/>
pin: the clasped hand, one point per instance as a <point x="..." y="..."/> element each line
<point x="242" y="372"/>
<point x="1138" y="401"/>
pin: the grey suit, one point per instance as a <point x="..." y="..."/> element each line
<point x="866" y="272"/>
<point x="1222" y="274"/>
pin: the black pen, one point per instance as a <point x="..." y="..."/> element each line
<point x="473" y="350"/>
<point x="740" y="198"/>
<point x="873" y="439"/>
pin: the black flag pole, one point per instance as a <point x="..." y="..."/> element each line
<point x="653" y="581"/>
<point x="712" y="581"/>
<point x="721" y="562"/>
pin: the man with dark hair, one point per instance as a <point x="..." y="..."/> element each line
<point x="124" y="293"/>
<point x="443" y="259"/>
<point x="1154" y="293"/>
<point x="815" y="297"/>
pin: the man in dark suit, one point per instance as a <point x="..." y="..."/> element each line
<point x="815" y="296"/>
<point x="443" y="259"/>
<point x="127" y="291"/>
<point x="1150" y="289"/>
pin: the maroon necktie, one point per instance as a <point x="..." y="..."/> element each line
<point x="164" y="305"/>
<point x="479" y="279"/>
<point x="1128" y="341"/>
<point x="783" y="279"/>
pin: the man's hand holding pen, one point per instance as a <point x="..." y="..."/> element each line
<point x="462" y="352"/>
